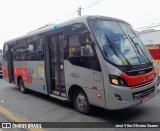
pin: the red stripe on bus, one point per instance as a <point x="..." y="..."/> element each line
<point x="5" y="71"/>
<point x="23" y="72"/>
<point x="139" y="80"/>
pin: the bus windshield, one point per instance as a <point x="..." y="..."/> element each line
<point x="119" y="43"/>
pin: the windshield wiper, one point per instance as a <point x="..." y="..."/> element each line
<point x="137" y="46"/>
<point x="115" y="47"/>
<point x="111" y="46"/>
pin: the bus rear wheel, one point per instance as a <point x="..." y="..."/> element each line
<point x="80" y="102"/>
<point x="22" y="87"/>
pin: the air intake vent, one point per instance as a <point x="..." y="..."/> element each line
<point x="143" y="93"/>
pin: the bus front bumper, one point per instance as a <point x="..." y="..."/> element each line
<point x="124" y="97"/>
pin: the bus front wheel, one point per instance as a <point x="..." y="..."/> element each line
<point x="80" y="102"/>
<point x="22" y="87"/>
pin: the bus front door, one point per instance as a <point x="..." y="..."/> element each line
<point x="56" y="65"/>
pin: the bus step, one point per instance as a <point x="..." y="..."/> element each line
<point x="58" y="97"/>
<point x="57" y="93"/>
<point x="62" y="89"/>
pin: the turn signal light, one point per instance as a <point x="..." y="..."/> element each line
<point x="98" y="95"/>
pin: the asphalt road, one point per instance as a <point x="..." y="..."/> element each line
<point x="35" y="107"/>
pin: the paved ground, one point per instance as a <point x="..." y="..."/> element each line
<point x="35" y="107"/>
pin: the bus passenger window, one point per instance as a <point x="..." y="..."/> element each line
<point x="30" y="48"/>
<point x="35" y="48"/>
<point x="74" y="46"/>
<point x="5" y="53"/>
<point x="76" y="50"/>
<point x="19" y="51"/>
<point x="81" y="55"/>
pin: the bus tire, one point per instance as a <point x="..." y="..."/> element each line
<point x="22" y="87"/>
<point x="80" y="102"/>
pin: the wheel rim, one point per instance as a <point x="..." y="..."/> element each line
<point x="81" y="102"/>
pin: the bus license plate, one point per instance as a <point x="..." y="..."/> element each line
<point x="144" y="99"/>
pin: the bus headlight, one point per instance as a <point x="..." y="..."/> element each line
<point x="114" y="81"/>
<point x="117" y="80"/>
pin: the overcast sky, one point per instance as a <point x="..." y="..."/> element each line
<point x="18" y="17"/>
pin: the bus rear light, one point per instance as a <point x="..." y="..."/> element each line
<point x="117" y="80"/>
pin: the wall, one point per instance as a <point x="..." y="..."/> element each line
<point x="150" y="37"/>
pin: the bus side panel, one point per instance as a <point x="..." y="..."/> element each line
<point x="32" y="73"/>
<point x="5" y="70"/>
<point x="89" y="80"/>
<point x="36" y="71"/>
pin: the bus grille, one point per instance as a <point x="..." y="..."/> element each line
<point x="143" y="93"/>
<point x="139" y="72"/>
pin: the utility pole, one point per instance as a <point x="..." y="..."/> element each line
<point x="79" y="11"/>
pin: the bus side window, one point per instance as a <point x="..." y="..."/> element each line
<point x="0" y="56"/>
<point x="81" y="55"/>
<point x="35" y="48"/>
<point x="30" y="48"/>
<point x="65" y="47"/>
<point x="76" y="50"/>
<point x="5" y="52"/>
<point x="19" y="52"/>
<point x="74" y="46"/>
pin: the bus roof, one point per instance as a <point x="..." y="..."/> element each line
<point x="79" y="19"/>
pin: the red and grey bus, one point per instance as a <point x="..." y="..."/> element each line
<point x="89" y="60"/>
